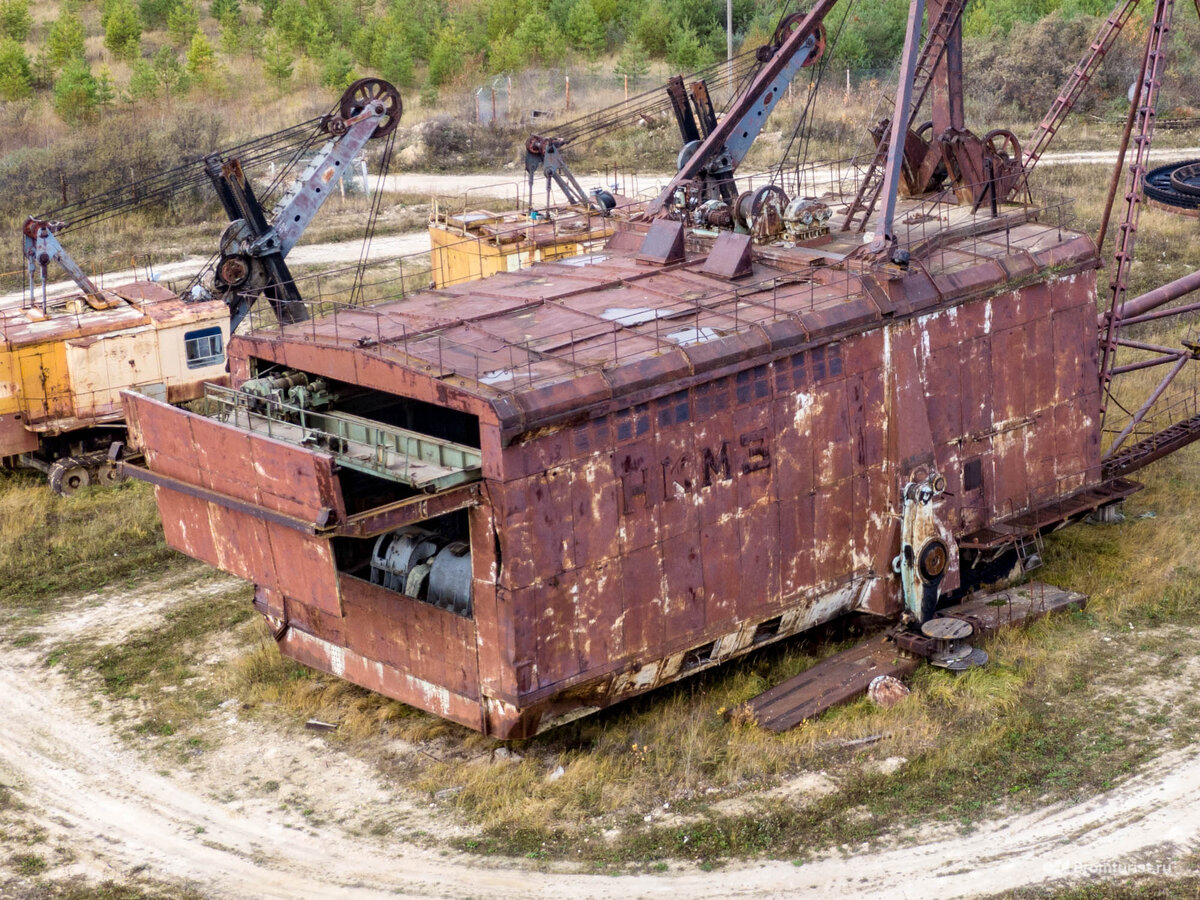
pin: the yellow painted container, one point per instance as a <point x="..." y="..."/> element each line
<point x="477" y="243"/>
<point x="62" y="372"/>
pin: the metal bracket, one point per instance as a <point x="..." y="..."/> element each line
<point x="925" y="554"/>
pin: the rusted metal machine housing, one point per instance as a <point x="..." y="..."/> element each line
<point x="652" y="467"/>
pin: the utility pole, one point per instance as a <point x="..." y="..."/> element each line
<point x="729" y="35"/>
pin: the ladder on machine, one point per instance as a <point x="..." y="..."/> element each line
<point x="931" y="55"/>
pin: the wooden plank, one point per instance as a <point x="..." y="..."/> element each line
<point x="835" y="680"/>
<point x="848" y="674"/>
<point x="1018" y="606"/>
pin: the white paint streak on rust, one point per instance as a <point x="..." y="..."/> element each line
<point x="337" y="660"/>
<point x="436" y="697"/>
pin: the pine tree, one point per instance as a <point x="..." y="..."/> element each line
<point x="106" y="91"/>
<point x="446" y="57"/>
<point x="396" y="63"/>
<point x="277" y="58"/>
<point x="584" y="29"/>
<point x="15" y="20"/>
<point x="16" y="81"/>
<point x="183" y="22"/>
<point x="143" y="82"/>
<point x="337" y="70"/>
<point x="123" y="30"/>
<point x="219" y="9"/>
<point x="65" y="42"/>
<point x="75" y="93"/>
<point x="201" y="58"/>
<point x="684" y="50"/>
<point x="632" y="61"/>
<point x="235" y="34"/>
<point x="171" y="75"/>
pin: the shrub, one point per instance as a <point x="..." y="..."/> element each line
<point x="1025" y="71"/>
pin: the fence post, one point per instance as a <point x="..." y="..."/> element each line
<point x="567" y="81"/>
<point x="626" y="88"/>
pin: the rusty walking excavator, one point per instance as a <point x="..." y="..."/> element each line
<point x="515" y="501"/>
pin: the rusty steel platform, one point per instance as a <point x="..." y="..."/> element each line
<point x="846" y="675"/>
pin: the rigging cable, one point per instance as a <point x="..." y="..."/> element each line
<point x="356" y="287"/>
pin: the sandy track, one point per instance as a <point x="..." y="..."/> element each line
<point x="506" y="184"/>
<point x="111" y="805"/>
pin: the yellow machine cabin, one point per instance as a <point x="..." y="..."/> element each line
<point x="62" y="371"/>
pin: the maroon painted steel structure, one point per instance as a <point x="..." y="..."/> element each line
<point x="646" y="463"/>
<point x="675" y="468"/>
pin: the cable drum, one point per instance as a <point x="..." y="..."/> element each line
<point x="1186" y="179"/>
<point x="450" y="578"/>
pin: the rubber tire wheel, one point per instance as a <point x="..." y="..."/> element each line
<point x="110" y="477"/>
<point x="69" y="479"/>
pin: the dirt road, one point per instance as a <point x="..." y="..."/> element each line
<point x="505" y="184"/>
<point x="120" y="812"/>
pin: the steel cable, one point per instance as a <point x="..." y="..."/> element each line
<point x="287" y="144"/>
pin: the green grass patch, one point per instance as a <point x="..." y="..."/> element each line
<point x="45" y="889"/>
<point x="50" y="545"/>
<point x="1149" y="887"/>
<point x="29" y="864"/>
<point x="165" y="655"/>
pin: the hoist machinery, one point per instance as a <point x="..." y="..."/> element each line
<point x="65" y="357"/>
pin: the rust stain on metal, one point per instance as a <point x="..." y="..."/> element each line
<point x="674" y="470"/>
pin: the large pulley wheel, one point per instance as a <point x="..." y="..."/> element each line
<point x="1186" y="179"/>
<point x="1003" y="143"/>
<point x="368" y="92"/>
<point x="760" y="197"/>
<point x="686" y="153"/>
<point x="67" y="476"/>
<point x="233" y="271"/>
<point x="791" y="23"/>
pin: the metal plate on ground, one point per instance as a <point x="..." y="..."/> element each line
<point x="951" y="653"/>
<point x="972" y="660"/>
<point x="947" y="629"/>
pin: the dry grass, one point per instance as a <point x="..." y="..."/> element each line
<point x="1066" y="708"/>
<point x="52" y="545"/>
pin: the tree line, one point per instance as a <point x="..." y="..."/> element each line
<point x="165" y="48"/>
